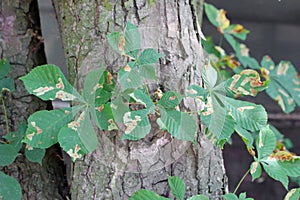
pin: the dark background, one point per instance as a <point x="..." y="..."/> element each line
<point x="275" y="31"/>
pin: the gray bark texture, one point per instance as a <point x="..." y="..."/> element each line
<point x="21" y="43"/>
<point x="119" y="168"/>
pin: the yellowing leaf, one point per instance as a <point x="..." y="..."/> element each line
<point x="222" y="20"/>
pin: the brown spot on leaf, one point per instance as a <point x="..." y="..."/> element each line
<point x="60" y="84"/>
<point x="100" y="108"/>
<point x="172" y="98"/>
<point x="127" y="68"/>
<point x="121" y="44"/>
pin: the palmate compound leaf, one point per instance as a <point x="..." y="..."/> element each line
<point x="293" y="194"/>
<point x="48" y="83"/>
<point x="177" y="187"/>
<point x="284" y="83"/>
<point x="222" y="115"/>
<point x="78" y="137"/>
<point x="147" y="195"/>
<point x="137" y="124"/>
<point x="278" y="165"/>
<point x="247" y="82"/>
<point x="179" y="124"/>
<point x="44" y="126"/>
<point x="10" y="189"/>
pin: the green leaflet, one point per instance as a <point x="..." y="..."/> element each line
<point x="93" y="83"/>
<point x="48" y="83"/>
<point x="137" y="124"/>
<point x="291" y="168"/>
<point x="4" y="67"/>
<point x="98" y="89"/>
<point x="71" y="143"/>
<point x="293" y="194"/>
<point x="284" y="86"/>
<point x="211" y="13"/>
<point x="10" y="188"/>
<point x="129" y="77"/>
<point x="35" y="154"/>
<point x="104" y="117"/>
<point x="78" y="137"/>
<point x="209" y="46"/>
<point x="8" y="154"/>
<point x="148" y="72"/>
<point x="83" y="126"/>
<point x="265" y="143"/>
<point x="147" y="195"/>
<point x="141" y="98"/>
<point x="148" y="57"/>
<point x="177" y="187"/>
<point x="170" y="100"/>
<point x="132" y="40"/>
<point x="127" y="44"/>
<point x="242" y="52"/>
<point x="119" y="108"/>
<point x="237" y="31"/>
<point x="245" y="135"/>
<point x="247" y="115"/>
<point x="196" y="91"/>
<point x="44" y="126"/>
<point x="274" y="170"/>
<point x="180" y="125"/>
<point x="255" y="170"/>
<point x="210" y="76"/>
<point x="15" y="138"/>
<point x="7" y="84"/>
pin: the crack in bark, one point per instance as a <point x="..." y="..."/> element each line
<point x="136" y="11"/>
<point x="96" y="20"/>
<point x="195" y="20"/>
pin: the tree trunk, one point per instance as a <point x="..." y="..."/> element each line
<point x="119" y="168"/>
<point x="20" y="42"/>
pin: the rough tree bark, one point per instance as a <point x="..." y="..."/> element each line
<point x="21" y="44"/>
<point x="113" y="171"/>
